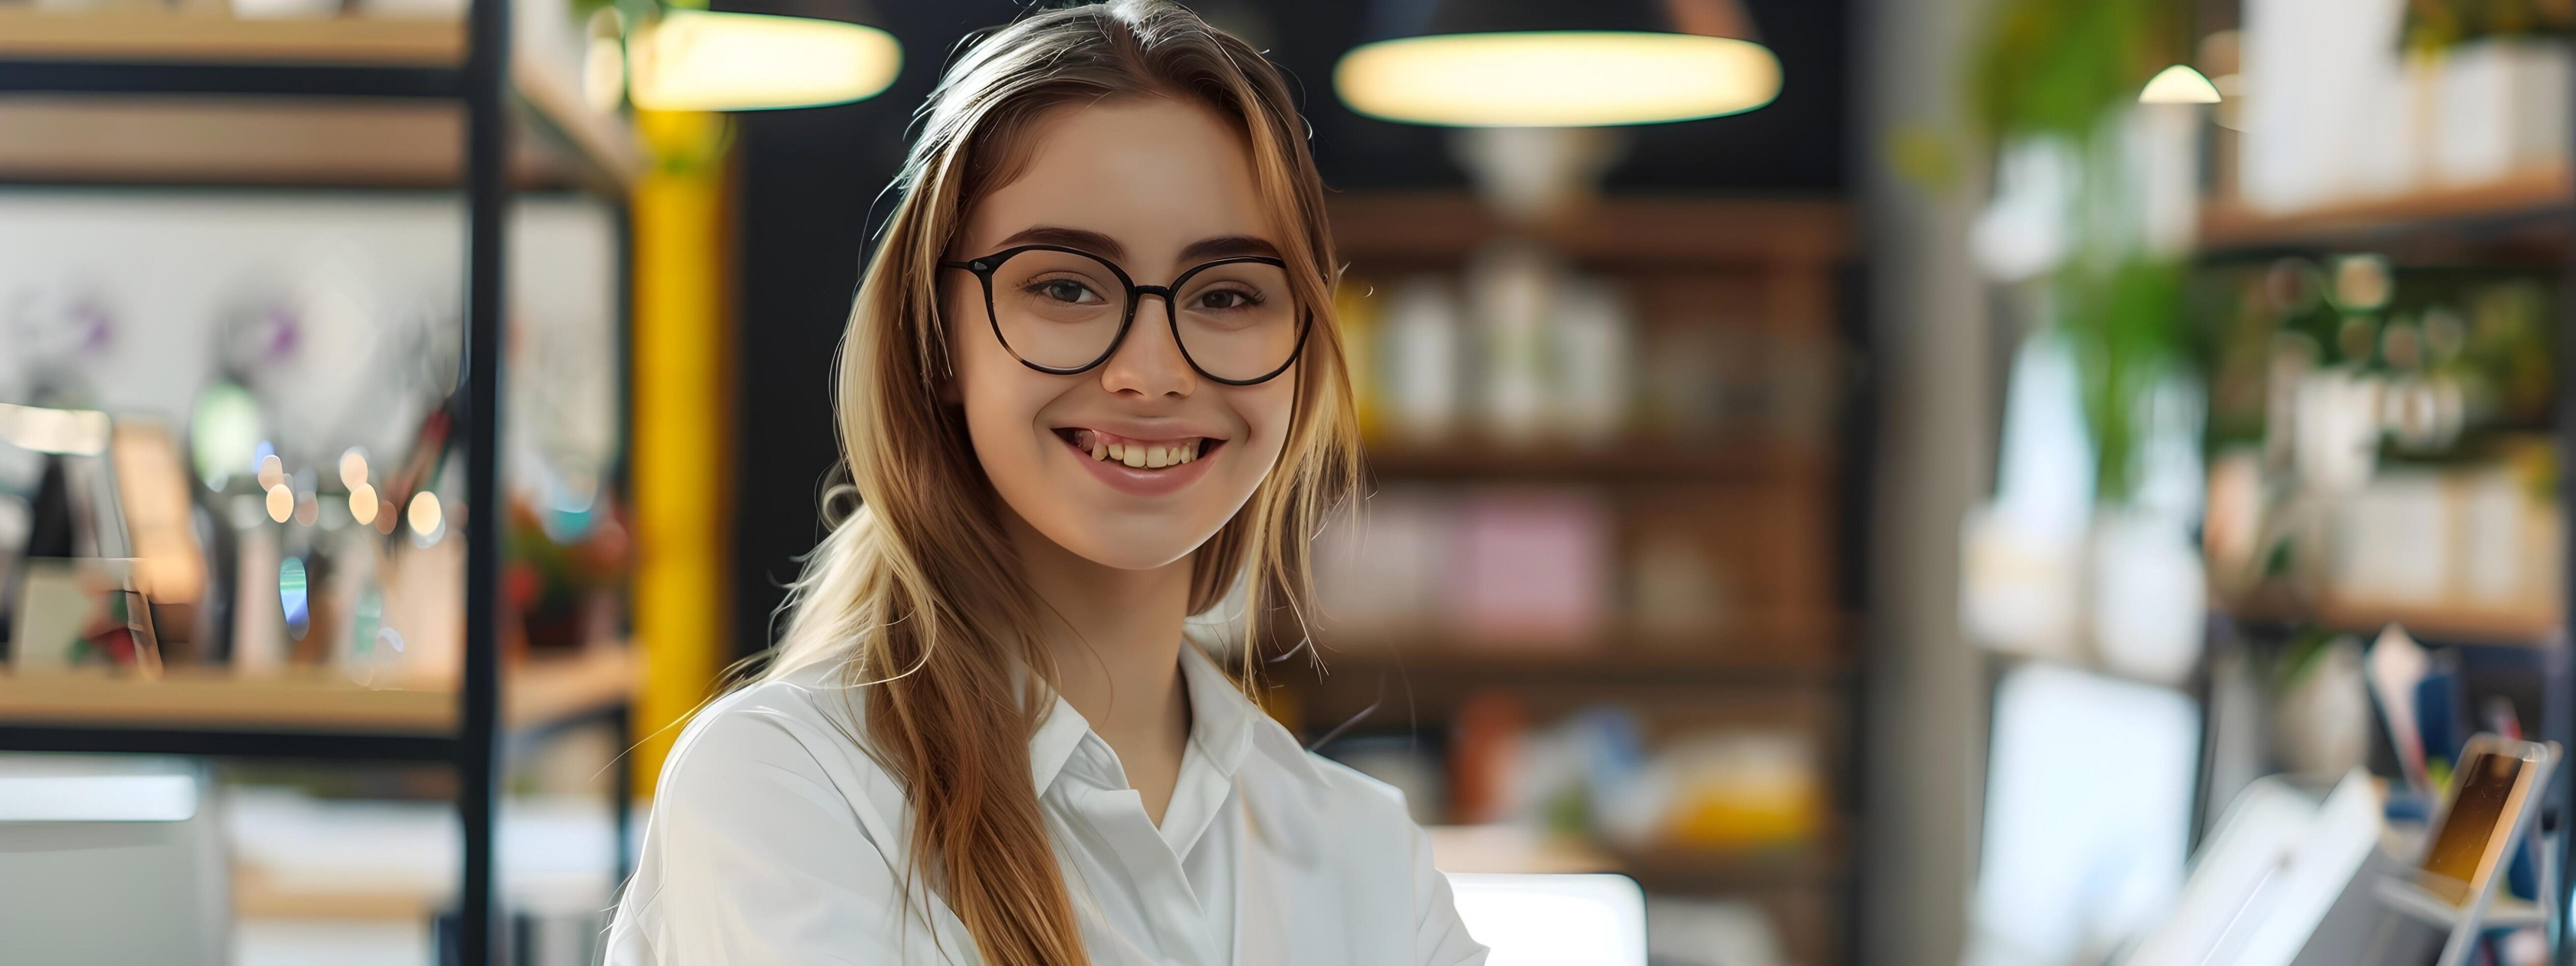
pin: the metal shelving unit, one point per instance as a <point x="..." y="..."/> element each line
<point x="2525" y="220"/>
<point x="310" y="78"/>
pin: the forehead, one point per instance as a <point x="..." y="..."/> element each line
<point x="1153" y="173"/>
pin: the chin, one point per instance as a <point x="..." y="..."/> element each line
<point x="1127" y="545"/>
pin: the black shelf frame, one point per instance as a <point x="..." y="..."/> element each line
<point x="480" y="744"/>
<point x="282" y="80"/>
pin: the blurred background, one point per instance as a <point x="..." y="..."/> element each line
<point x="1924" y="482"/>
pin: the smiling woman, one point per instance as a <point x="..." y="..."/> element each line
<point x="984" y="737"/>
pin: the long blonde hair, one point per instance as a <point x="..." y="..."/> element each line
<point x="916" y="593"/>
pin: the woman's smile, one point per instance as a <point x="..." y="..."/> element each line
<point x="1142" y="463"/>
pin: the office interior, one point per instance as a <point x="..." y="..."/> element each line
<point x="1990" y="482"/>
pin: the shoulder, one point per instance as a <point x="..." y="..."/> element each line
<point x="1354" y="791"/>
<point x="802" y="727"/>
<point x="1327" y="793"/>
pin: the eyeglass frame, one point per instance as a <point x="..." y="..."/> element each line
<point x="984" y="267"/>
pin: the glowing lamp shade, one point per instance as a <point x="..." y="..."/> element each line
<point x="1551" y="63"/>
<point x="2178" y="84"/>
<point x="699" y="61"/>
<point x="1556" y="78"/>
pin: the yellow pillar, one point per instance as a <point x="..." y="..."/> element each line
<point x="681" y="416"/>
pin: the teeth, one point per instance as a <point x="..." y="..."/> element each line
<point x="1138" y="455"/>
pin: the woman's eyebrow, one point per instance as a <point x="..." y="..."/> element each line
<point x="1228" y="246"/>
<point x="1205" y="249"/>
<point x="1082" y="238"/>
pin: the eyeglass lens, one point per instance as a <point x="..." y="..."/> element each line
<point x="1062" y="310"/>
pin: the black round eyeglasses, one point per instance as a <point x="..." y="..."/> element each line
<point x="1065" y="311"/>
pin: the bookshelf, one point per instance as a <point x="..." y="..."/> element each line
<point x="1765" y="494"/>
<point x="124" y="96"/>
<point x="135" y="97"/>
<point x="2522" y="222"/>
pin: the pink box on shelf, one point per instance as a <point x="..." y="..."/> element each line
<point x="1531" y="567"/>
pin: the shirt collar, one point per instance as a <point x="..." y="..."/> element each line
<point x="1224" y="724"/>
<point x="1058" y="735"/>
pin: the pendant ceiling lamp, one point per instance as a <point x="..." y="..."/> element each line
<point x="696" y="60"/>
<point x="1550" y="63"/>
<point x="2179" y="84"/>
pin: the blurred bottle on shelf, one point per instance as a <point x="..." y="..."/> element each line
<point x="1356" y="305"/>
<point x="1594" y="335"/>
<point x="1421" y="379"/>
<point x="1512" y="288"/>
<point x="1531" y="354"/>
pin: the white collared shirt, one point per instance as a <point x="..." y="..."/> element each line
<point x="776" y="840"/>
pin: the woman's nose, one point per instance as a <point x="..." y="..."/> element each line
<point x="1150" y="362"/>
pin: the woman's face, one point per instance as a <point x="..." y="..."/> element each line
<point x="1094" y="461"/>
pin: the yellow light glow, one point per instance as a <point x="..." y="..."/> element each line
<point x="424" y="514"/>
<point x="281" y="503"/>
<point x="70" y="432"/>
<point x="2179" y="84"/>
<point x="272" y="472"/>
<point x="353" y="468"/>
<point x="1556" y="78"/>
<point x="698" y="61"/>
<point x="362" y="504"/>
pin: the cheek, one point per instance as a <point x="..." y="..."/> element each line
<point x="1001" y="399"/>
<point x="1265" y="410"/>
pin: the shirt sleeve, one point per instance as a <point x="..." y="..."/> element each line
<point x="758" y="859"/>
<point x="1439" y="937"/>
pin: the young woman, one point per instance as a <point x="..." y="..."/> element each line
<point x="1090" y="386"/>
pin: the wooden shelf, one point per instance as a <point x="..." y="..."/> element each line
<point x="2546" y="196"/>
<point x="139" y="36"/>
<point x="1643" y="460"/>
<point x="317" y="699"/>
<point x="279" y="138"/>
<point x="1687" y="870"/>
<point x="1515" y="850"/>
<point x="1636" y="231"/>
<point x="257" y="895"/>
<point x="1812" y="649"/>
<point x="2431" y="623"/>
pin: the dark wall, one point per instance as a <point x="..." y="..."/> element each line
<point x="812" y="184"/>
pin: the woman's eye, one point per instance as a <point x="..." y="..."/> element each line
<point x="1063" y="290"/>
<point x="1226" y="299"/>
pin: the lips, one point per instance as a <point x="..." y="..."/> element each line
<point x="1138" y="465"/>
